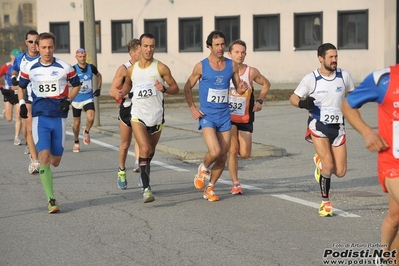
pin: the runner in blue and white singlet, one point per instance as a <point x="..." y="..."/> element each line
<point x="321" y="92"/>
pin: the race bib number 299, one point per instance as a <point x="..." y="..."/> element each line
<point x="331" y="115"/>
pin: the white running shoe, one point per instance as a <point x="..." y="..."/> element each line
<point x="17" y="141"/>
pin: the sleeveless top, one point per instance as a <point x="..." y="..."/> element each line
<point x="241" y="106"/>
<point x="86" y="88"/>
<point x="126" y="102"/>
<point x="147" y="101"/>
<point x="214" y="87"/>
<point x="328" y="94"/>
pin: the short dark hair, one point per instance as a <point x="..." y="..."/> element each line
<point x="321" y="51"/>
<point x="240" y="42"/>
<point x="133" y="44"/>
<point x="31" y="32"/>
<point x="46" y="35"/>
<point x="214" y="34"/>
<point x="147" y="35"/>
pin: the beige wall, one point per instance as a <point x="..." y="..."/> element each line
<point x="284" y="66"/>
<point x="10" y="7"/>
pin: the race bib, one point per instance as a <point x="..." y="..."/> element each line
<point x="144" y="90"/>
<point x="331" y="115"/>
<point x="47" y="89"/>
<point x="395" y="134"/>
<point x="237" y="105"/>
<point x="217" y="96"/>
<point x="86" y="86"/>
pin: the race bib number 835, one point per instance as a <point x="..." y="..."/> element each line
<point x="47" y="89"/>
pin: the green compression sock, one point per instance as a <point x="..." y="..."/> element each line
<point x="46" y="175"/>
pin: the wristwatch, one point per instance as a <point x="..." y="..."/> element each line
<point x="259" y="101"/>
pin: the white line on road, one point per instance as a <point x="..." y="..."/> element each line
<point x="314" y="205"/>
<point x="178" y="169"/>
<point x="111" y="147"/>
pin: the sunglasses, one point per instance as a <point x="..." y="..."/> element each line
<point x="31" y="41"/>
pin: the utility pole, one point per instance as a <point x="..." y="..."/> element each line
<point x="90" y="47"/>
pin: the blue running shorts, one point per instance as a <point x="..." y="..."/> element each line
<point x="49" y="134"/>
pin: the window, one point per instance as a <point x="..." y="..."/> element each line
<point x="190" y="35"/>
<point x="27" y="13"/>
<point x="266" y="32"/>
<point x="308" y="33"/>
<point x="230" y="26"/>
<point x="97" y="27"/>
<point x="7" y="19"/>
<point x="353" y="29"/>
<point x="158" y="28"/>
<point x="122" y="33"/>
<point x="61" y="32"/>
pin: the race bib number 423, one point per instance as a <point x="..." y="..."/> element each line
<point x="47" y="89"/>
<point x="144" y="90"/>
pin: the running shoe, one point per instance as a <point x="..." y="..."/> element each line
<point x="17" y="141"/>
<point x="317" y="171"/>
<point x="147" y="195"/>
<point x="34" y="166"/>
<point x="86" y="138"/>
<point x="136" y="167"/>
<point x="326" y="209"/>
<point x="236" y="188"/>
<point x="201" y="177"/>
<point x="122" y="181"/>
<point x="76" y="147"/>
<point x="52" y="206"/>
<point x="26" y="151"/>
<point x="209" y="194"/>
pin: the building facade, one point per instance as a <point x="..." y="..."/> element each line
<point x="16" y="17"/>
<point x="282" y="36"/>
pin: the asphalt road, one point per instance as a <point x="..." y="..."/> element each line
<point x="275" y="222"/>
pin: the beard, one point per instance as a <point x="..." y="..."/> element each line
<point x="331" y="67"/>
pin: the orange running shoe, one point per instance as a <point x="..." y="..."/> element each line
<point x="201" y="177"/>
<point x="209" y="194"/>
<point x="236" y="188"/>
<point x="326" y="209"/>
<point x="86" y="138"/>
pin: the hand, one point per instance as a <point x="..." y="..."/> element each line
<point x="196" y="113"/>
<point x="307" y="104"/>
<point x="243" y="86"/>
<point x="64" y="105"/>
<point x="14" y="81"/>
<point x="23" y="111"/>
<point x="119" y="95"/>
<point x="97" y="93"/>
<point x="375" y="142"/>
<point x="159" y="86"/>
